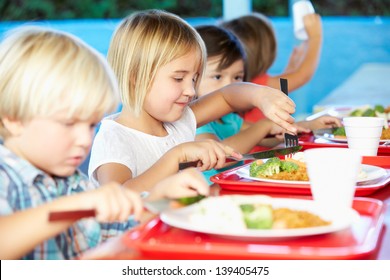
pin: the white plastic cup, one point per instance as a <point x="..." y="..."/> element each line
<point x="333" y="173"/>
<point x="363" y="134"/>
<point x="300" y="9"/>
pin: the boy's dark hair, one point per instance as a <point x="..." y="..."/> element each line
<point x="221" y="42"/>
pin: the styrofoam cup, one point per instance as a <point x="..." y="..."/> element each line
<point x="363" y="134"/>
<point x="300" y="9"/>
<point x="333" y="173"/>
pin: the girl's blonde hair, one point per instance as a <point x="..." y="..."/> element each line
<point x="144" y="42"/>
<point x="43" y="71"/>
<point x="257" y="34"/>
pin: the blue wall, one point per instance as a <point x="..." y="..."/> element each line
<point x="348" y="43"/>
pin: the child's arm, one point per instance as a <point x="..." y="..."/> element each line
<point x="209" y="154"/>
<point x="243" y="96"/>
<point x="249" y="136"/>
<point x="321" y="122"/>
<point x="24" y="230"/>
<point x="189" y="182"/>
<point x="305" y="70"/>
<point x="296" y="57"/>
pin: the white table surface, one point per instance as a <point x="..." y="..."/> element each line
<point x="369" y="85"/>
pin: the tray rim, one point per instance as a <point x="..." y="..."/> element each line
<point x="375" y="207"/>
<point x="269" y="187"/>
<point x="307" y="142"/>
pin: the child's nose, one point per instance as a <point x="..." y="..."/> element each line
<point x="84" y="136"/>
<point x="189" y="91"/>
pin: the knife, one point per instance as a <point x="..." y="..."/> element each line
<point x="71" y="215"/>
<point x="252" y="156"/>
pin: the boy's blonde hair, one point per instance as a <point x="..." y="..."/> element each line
<point x="257" y="34"/>
<point x="144" y="42"/>
<point x="43" y="71"/>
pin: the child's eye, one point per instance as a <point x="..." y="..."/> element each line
<point x="69" y="123"/>
<point x="195" y="78"/>
<point x="217" y="77"/>
<point x="239" y="78"/>
<point x="178" y="79"/>
<point x="93" y="125"/>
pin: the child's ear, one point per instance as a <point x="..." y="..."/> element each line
<point x="13" y="127"/>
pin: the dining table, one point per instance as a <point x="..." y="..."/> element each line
<point x="369" y="240"/>
<point x="364" y="87"/>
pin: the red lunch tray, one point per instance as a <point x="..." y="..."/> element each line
<point x="308" y="141"/>
<point x="229" y="180"/>
<point x="157" y="240"/>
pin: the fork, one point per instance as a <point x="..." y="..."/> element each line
<point x="290" y="140"/>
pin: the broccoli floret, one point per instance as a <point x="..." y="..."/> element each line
<point x="339" y="131"/>
<point x="369" y="113"/>
<point x="254" y="169"/>
<point x="260" y="171"/>
<point x="261" y="216"/>
<point x="289" y="166"/>
<point x="379" y="109"/>
<point x="190" y="200"/>
<point x="272" y="166"/>
<point x="247" y="207"/>
<point x="356" y="113"/>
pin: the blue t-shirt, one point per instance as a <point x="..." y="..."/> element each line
<point x="229" y="125"/>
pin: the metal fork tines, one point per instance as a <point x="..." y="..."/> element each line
<point x="290" y="140"/>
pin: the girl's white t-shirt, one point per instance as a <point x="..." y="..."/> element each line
<point x="116" y="143"/>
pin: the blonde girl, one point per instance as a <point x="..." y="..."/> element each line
<point x="159" y="60"/>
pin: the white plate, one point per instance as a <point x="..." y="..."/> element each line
<point x="207" y="222"/>
<point x="327" y="134"/>
<point x="372" y="172"/>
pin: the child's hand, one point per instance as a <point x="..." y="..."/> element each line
<point x="313" y="25"/>
<point x="323" y="122"/>
<point x="114" y="203"/>
<point x="278" y="132"/>
<point x="208" y="153"/>
<point x="277" y="107"/>
<point x="189" y="182"/>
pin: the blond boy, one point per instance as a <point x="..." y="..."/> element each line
<point x="54" y="89"/>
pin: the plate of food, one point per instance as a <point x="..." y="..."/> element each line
<point x="257" y="217"/>
<point x="338" y="135"/>
<point x="293" y="171"/>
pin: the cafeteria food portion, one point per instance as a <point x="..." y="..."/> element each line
<point x="263" y="216"/>
<point x="339" y="132"/>
<point x="185" y="201"/>
<point x="230" y="214"/>
<point x="373" y="111"/>
<point x="289" y="169"/>
<point x="190" y="200"/>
